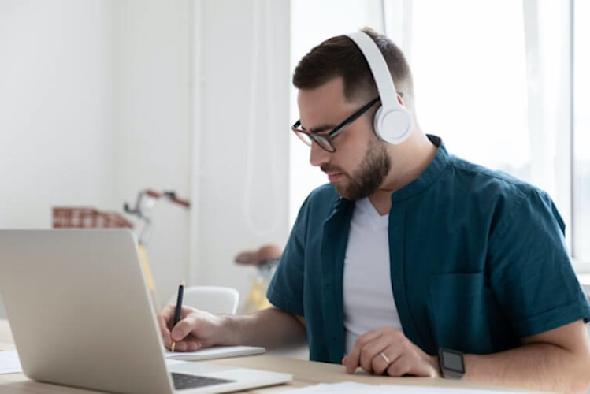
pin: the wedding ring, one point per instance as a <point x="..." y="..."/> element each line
<point x="387" y="360"/>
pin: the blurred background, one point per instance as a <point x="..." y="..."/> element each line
<point x="100" y="99"/>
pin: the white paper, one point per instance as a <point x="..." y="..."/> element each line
<point x="9" y="362"/>
<point x="355" y="388"/>
<point x="215" y="352"/>
<point x="170" y="362"/>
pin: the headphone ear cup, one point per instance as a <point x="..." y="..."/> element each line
<point x="395" y="125"/>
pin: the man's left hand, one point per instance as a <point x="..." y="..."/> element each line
<point x="388" y="351"/>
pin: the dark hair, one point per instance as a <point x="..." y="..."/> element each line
<point x="340" y="57"/>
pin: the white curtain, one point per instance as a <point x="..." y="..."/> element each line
<point x="241" y="130"/>
<point x="548" y="54"/>
<point x="397" y="22"/>
<point x="546" y="33"/>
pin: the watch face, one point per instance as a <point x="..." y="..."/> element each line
<point x="452" y="360"/>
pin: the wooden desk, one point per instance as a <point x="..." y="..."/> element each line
<point x="304" y="373"/>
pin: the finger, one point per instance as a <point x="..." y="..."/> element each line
<point x="352" y="360"/>
<point x="410" y="364"/>
<point x="195" y="344"/>
<point x="162" y="324"/>
<point x="422" y="368"/>
<point x="164" y="331"/>
<point x="380" y="364"/>
<point x="187" y="310"/>
<point x="188" y="345"/>
<point x="180" y="346"/>
<point x="371" y="351"/>
<point x="183" y="328"/>
<point x="400" y="366"/>
<point x="166" y="317"/>
<point x="161" y="321"/>
<point x="166" y="339"/>
<point x="344" y="360"/>
<point x="369" y="336"/>
<point x="167" y="313"/>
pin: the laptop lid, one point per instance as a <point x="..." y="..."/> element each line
<point x="61" y="288"/>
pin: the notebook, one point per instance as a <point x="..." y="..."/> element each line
<point x="215" y="352"/>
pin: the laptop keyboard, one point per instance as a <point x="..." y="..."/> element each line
<point x="184" y="381"/>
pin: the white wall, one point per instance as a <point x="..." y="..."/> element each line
<point x="241" y="158"/>
<point x="55" y="115"/>
<point x="99" y="99"/>
<point x="152" y="41"/>
<point x="95" y="100"/>
<point x="201" y="109"/>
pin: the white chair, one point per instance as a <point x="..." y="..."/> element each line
<point x="214" y="299"/>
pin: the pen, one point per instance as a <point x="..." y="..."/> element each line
<point x="177" y="310"/>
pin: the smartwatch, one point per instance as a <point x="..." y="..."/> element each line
<point x="452" y="363"/>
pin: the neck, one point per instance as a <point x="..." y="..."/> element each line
<point x="408" y="161"/>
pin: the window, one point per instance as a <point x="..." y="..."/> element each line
<point x="470" y="80"/>
<point x="581" y="139"/>
<point x="493" y="78"/>
<point x="498" y="93"/>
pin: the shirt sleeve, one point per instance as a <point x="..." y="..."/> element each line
<point x="531" y="274"/>
<point x="285" y="290"/>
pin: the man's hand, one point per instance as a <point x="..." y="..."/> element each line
<point x="195" y="330"/>
<point x="388" y="351"/>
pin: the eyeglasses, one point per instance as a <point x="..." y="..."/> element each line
<point x="324" y="141"/>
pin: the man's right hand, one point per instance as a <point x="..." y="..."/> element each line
<point x="196" y="329"/>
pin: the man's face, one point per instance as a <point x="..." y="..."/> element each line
<point x="360" y="163"/>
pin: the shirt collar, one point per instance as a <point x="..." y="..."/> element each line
<point x="429" y="175"/>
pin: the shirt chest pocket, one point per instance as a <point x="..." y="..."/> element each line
<point x="458" y="312"/>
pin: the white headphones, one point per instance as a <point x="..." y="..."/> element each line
<point x="392" y="122"/>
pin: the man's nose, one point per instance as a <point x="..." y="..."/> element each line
<point x="317" y="155"/>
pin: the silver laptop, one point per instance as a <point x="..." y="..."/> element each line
<point x="80" y="315"/>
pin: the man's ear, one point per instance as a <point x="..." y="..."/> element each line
<point x="400" y="99"/>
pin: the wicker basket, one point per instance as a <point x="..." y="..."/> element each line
<point x="87" y="217"/>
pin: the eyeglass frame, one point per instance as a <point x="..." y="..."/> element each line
<point x="325" y="141"/>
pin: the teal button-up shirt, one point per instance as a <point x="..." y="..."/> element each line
<point x="477" y="262"/>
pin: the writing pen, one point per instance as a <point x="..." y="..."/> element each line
<point x="177" y="310"/>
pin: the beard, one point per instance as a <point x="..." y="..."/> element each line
<point x="369" y="176"/>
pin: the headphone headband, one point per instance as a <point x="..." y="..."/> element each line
<point x="392" y="122"/>
<point x="379" y="69"/>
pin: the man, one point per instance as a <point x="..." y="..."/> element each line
<point x="410" y="250"/>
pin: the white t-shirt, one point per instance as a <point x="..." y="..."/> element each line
<point x="368" y="295"/>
